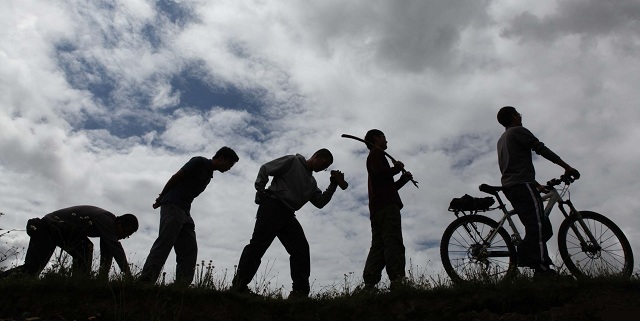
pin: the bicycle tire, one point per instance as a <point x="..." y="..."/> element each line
<point x="464" y="257"/>
<point x="611" y="257"/>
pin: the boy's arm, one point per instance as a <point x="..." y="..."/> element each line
<point x="319" y="199"/>
<point x="110" y="249"/>
<point x="272" y="168"/>
<point x="539" y="148"/>
<point x="403" y="180"/>
<point x="172" y="182"/>
<point x="377" y="166"/>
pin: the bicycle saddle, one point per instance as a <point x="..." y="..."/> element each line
<point x="493" y="190"/>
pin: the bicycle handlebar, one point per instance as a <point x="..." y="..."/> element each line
<point x="563" y="179"/>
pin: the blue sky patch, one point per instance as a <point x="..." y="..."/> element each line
<point x="197" y="93"/>
<point x="177" y="12"/>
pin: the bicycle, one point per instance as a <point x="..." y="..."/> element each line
<point x="475" y="247"/>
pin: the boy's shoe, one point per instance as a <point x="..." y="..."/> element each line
<point x="242" y="289"/>
<point x="523" y="262"/>
<point x="542" y="271"/>
<point x="400" y="284"/>
<point x="366" y="289"/>
<point x="298" y="295"/>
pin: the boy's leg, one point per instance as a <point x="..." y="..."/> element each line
<point x="295" y="242"/>
<point x="527" y="202"/>
<point x="186" y="249"/>
<point x="172" y="219"/>
<point x="82" y="253"/>
<point x="39" y="252"/>
<point x="267" y="226"/>
<point x="375" y="262"/>
<point x="394" y="250"/>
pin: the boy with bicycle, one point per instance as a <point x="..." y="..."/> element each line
<point x="522" y="190"/>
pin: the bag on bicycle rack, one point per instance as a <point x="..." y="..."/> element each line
<point x="470" y="203"/>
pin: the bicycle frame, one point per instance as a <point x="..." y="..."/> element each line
<point x="552" y="198"/>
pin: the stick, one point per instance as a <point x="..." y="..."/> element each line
<point x="385" y="153"/>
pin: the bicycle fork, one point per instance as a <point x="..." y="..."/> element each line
<point x="592" y="246"/>
<point x="554" y="197"/>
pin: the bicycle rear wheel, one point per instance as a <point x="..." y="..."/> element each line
<point x="468" y="255"/>
<point x="609" y="255"/>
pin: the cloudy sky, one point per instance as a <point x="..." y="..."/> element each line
<point x="102" y="101"/>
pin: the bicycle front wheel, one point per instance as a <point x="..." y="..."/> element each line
<point x="607" y="254"/>
<point x="469" y="253"/>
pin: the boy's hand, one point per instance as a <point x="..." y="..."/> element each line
<point x="407" y="176"/>
<point x="398" y="165"/>
<point x="156" y="204"/>
<point x="338" y="178"/>
<point x="261" y="195"/>
<point x="572" y="172"/>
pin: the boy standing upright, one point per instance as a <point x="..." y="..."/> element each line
<point x="387" y="248"/>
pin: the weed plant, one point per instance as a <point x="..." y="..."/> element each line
<point x="10" y="251"/>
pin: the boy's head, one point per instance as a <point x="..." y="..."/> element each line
<point x="508" y="116"/>
<point x="226" y="157"/>
<point x="226" y="153"/>
<point x="374" y="136"/>
<point x="321" y="160"/>
<point x="126" y="225"/>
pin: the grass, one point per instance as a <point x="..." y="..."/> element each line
<point x="57" y="296"/>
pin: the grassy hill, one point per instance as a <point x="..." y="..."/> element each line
<point x="59" y="298"/>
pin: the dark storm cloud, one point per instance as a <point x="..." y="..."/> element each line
<point x="584" y="18"/>
<point x="425" y="34"/>
<point x="406" y="36"/>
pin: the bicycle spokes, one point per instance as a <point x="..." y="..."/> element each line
<point x="591" y="245"/>
<point x="473" y="249"/>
